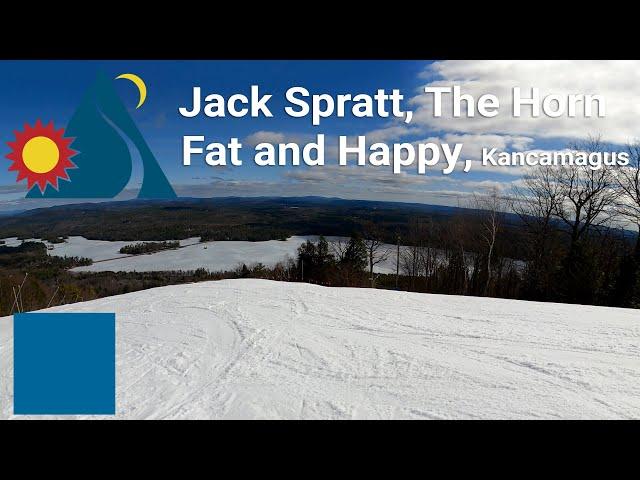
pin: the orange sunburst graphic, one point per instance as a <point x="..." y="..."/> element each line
<point x="41" y="154"/>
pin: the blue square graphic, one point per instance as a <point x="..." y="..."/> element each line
<point x="64" y="364"/>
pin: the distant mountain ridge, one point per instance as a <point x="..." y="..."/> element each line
<point x="219" y="218"/>
<point x="191" y="201"/>
<point x="230" y="218"/>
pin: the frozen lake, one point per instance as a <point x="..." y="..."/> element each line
<point x="213" y="256"/>
<point x="96" y="250"/>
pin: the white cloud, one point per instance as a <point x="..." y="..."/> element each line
<point x="484" y="185"/>
<point x="264" y="136"/>
<point x="617" y="81"/>
<point x="472" y="145"/>
<point x="389" y="133"/>
<point x="374" y="176"/>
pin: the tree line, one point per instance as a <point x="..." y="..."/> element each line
<point x="575" y="218"/>
<point x="140" y="248"/>
<point x="573" y="242"/>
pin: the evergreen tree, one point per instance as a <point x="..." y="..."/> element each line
<point x="356" y="254"/>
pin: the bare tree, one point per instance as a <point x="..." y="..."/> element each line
<point x="339" y="248"/>
<point x="588" y="197"/>
<point x="535" y="201"/>
<point x="377" y="250"/>
<point x="586" y="194"/>
<point x="410" y="262"/>
<point x="455" y="238"/>
<point x="418" y="258"/>
<point x="397" y="258"/>
<point x="628" y="179"/>
<point x="17" y="293"/>
<point x="492" y="206"/>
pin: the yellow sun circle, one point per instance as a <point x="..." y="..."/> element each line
<point x="40" y="154"/>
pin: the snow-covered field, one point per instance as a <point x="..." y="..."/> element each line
<point x="261" y="349"/>
<point x="217" y="256"/>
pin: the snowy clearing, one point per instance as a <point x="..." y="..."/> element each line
<point x="261" y="349"/>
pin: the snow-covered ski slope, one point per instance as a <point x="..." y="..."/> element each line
<point x="262" y="349"/>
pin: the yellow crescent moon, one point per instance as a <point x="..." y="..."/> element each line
<point x="139" y="83"/>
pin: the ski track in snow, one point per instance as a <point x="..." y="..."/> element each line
<point x="262" y="349"/>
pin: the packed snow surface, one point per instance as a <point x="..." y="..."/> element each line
<point x="261" y="349"/>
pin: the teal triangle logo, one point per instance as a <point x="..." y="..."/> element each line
<point x="103" y="161"/>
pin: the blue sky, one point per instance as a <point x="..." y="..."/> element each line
<point x="50" y="90"/>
